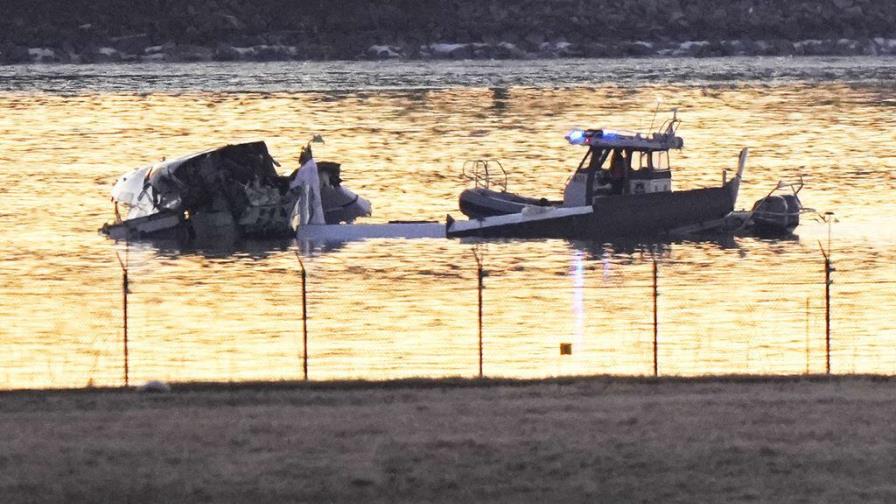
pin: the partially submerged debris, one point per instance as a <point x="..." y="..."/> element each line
<point x="230" y="189"/>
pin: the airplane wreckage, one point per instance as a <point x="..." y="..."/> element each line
<point x="230" y="189"/>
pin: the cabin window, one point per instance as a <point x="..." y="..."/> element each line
<point x="593" y="160"/>
<point x="653" y="160"/>
<point x="662" y="160"/>
<point x="644" y="160"/>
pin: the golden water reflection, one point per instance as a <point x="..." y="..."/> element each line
<point x="387" y="309"/>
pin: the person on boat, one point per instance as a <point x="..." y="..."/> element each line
<point x="618" y="166"/>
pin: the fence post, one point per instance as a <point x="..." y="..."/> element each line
<point x="480" y="274"/>
<point x="828" y="269"/>
<point x="807" y="336"/>
<point x="827" y="312"/>
<point x="655" y="318"/>
<point x="124" y="307"/>
<point x="304" y="319"/>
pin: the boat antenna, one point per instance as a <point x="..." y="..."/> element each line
<point x="655" y="112"/>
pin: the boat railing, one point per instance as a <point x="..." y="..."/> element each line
<point x="669" y="126"/>
<point x="795" y="187"/>
<point x="486" y="173"/>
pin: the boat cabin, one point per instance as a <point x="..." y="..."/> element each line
<point x="620" y="164"/>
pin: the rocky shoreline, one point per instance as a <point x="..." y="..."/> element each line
<point x="172" y="52"/>
<point x="105" y="31"/>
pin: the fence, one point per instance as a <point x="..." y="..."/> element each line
<point x="489" y="316"/>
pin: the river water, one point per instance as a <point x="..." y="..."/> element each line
<point x="401" y="308"/>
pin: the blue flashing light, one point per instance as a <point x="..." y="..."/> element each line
<point x="576" y="136"/>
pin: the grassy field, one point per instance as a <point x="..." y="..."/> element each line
<point x="576" y="440"/>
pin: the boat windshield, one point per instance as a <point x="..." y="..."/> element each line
<point x="653" y="160"/>
<point x="600" y="158"/>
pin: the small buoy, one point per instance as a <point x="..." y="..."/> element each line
<point x="154" y="386"/>
<point x="565" y="348"/>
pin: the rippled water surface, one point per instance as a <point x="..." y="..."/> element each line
<point x="394" y="308"/>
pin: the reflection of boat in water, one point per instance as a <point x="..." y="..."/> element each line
<point x="621" y="188"/>
<point x="233" y="190"/>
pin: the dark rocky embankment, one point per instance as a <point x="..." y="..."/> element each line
<point x="82" y="31"/>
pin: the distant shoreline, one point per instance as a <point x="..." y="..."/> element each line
<point x="603" y="439"/>
<point x="101" y="31"/>
<point x="174" y="53"/>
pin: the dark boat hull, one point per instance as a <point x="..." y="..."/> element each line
<point x="633" y="215"/>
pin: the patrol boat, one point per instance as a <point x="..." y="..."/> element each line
<point x="621" y="188"/>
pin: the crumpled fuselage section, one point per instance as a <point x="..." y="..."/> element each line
<point x="234" y="187"/>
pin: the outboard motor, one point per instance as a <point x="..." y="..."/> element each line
<point x="777" y="214"/>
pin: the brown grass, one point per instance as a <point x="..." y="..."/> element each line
<point x="575" y="440"/>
